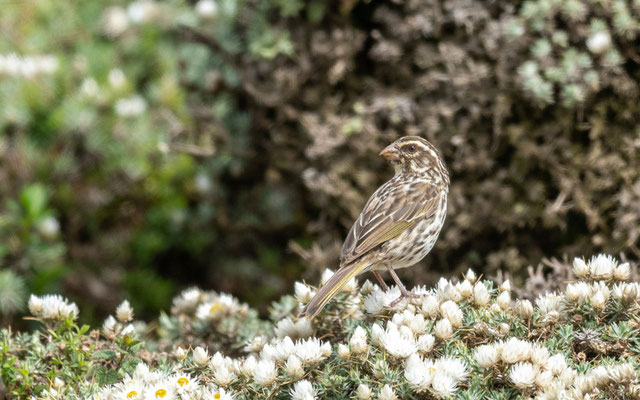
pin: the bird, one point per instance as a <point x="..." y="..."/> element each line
<point x="398" y="225"/>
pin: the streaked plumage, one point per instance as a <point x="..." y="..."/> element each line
<point x="399" y="224"/>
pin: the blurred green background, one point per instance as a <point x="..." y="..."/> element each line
<point x="148" y="146"/>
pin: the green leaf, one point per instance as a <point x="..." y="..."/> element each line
<point x="130" y="364"/>
<point x="105" y="376"/>
<point x="34" y="199"/>
<point x="103" y="355"/>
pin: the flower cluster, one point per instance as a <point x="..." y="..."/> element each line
<point x="456" y="340"/>
<point x="145" y="384"/>
<point x="52" y="307"/>
<point x="27" y="66"/>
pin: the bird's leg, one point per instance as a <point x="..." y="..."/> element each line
<point x="381" y="281"/>
<point x="403" y="290"/>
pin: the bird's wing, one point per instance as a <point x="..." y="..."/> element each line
<point x="392" y="209"/>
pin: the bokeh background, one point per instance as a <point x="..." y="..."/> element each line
<point x="148" y="146"/>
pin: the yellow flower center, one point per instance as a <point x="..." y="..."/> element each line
<point x="216" y="396"/>
<point x="161" y="393"/>
<point x="183" y="381"/>
<point x="132" y="394"/>
<point x="214" y="308"/>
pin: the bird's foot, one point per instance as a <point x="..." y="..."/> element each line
<point x="404" y="294"/>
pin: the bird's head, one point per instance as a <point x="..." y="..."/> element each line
<point x="415" y="155"/>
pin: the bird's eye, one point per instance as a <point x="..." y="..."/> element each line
<point x="411" y="148"/>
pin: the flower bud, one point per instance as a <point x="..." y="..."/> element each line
<point x="580" y="268"/>
<point x="124" y="312"/>
<point x="443" y="329"/>
<point x="200" y="356"/>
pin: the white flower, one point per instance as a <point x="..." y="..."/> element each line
<point x="223" y="377"/>
<point x="452" y="312"/>
<point x="312" y="350"/>
<point x="481" y="296"/>
<point x="142" y="11"/>
<point x="598" y="300"/>
<point x="124" y="312"/>
<point x="249" y="366"/>
<point x="367" y="287"/>
<point x="350" y="286"/>
<point x="539" y="355"/>
<point x="486" y="355"/>
<point x="129" y="390"/>
<point x="363" y="392"/>
<point x="300" y="329"/>
<point x="115" y="21"/>
<point x="514" y="350"/>
<point x="452" y="367"/>
<point x="200" y="356"/>
<point x="556" y="364"/>
<point x="35" y="305"/>
<point x="58" y="383"/>
<point x="506" y="286"/>
<point x="425" y="343"/>
<point x="396" y="343"/>
<point x="452" y="293"/>
<point x="378" y="300"/>
<point x="326" y="275"/>
<point x="524" y="308"/>
<point x="622" y="272"/>
<point x="544" y="379"/>
<point x="265" y="373"/>
<point x="283" y="349"/>
<point x="386" y="393"/>
<point x="161" y="390"/>
<point x="443" y="385"/>
<point x="580" y="268"/>
<point x="187" y="300"/>
<point x="89" y="87"/>
<point x="523" y="375"/>
<point x="443" y="329"/>
<point x="207" y="9"/>
<point x="52" y="306"/>
<point x="577" y="292"/>
<point x="117" y="79"/>
<point x="465" y="288"/>
<point x="49" y="227"/>
<point x="293" y="367"/>
<point x="376" y="333"/>
<point x="343" y="351"/>
<point x="358" y="341"/>
<point x="418" y="373"/>
<point x="110" y="326"/>
<point x="303" y="390"/>
<point x="504" y="300"/>
<point x="131" y="106"/>
<point x="184" y="382"/>
<point x="417" y="324"/>
<point x="303" y="293"/>
<point x="470" y="276"/>
<point x="550" y="302"/>
<point x="602" y="266"/>
<point x="599" y="42"/>
<point x="430" y="306"/>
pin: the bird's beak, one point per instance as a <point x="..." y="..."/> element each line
<point x="390" y="153"/>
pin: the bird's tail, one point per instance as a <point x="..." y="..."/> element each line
<point x="329" y="289"/>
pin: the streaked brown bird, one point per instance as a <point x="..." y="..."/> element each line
<point x="399" y="224"/>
